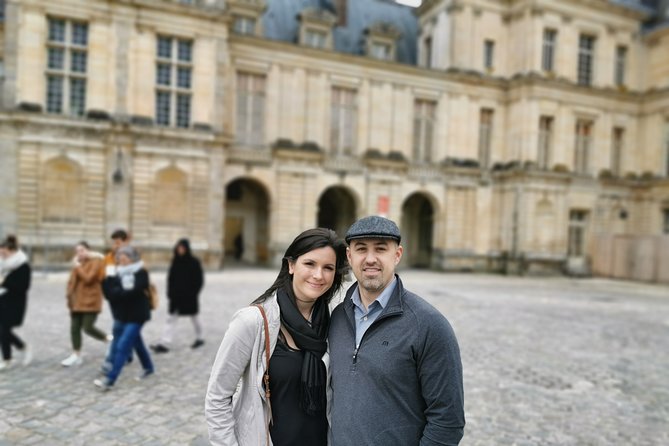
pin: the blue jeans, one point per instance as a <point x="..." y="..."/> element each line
<point x="130" y="337"/>
<point x="117" y="329"/>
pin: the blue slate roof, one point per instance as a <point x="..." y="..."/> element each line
<point x="280" y="23"/>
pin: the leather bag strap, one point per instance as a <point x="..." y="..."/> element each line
<point x="265" y="377"/>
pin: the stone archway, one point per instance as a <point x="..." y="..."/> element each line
<point x="246" y="231"/>
<point x="417" y="231"/>
<point x="336" y="210"/>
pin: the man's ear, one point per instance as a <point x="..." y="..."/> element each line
<point x="398" y="254"/>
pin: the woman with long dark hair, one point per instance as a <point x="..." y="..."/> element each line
<point x="298" y="317"/>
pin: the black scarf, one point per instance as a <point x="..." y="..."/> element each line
<point x="312" y="340"/>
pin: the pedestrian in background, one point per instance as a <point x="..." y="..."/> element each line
<point x="396" y="369"/>
<point x="297" y="320"/>
<point x="127" y="292"/>
<point x="16" y="274"/>
<point x="84" y="299"/>
<point x="119" y="239"/>
<point x="185" y="280"/>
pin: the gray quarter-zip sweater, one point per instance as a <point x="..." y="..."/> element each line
<point x="403" y="385"/>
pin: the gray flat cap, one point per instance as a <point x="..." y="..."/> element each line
<point x="373" y="227"/>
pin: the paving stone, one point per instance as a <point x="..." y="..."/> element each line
<point x="547" y="361"/>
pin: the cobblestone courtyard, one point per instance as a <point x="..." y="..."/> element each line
<point x="546" y="362"/>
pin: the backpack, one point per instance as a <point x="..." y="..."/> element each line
<point x="152" y="295"/>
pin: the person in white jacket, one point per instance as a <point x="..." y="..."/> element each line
<point x="296" y="307"/>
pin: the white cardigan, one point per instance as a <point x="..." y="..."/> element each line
<point x="235" y="406"/>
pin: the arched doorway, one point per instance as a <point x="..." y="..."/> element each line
<point x="417" y="230"/>
<point x="246" y="231"/>
<point x="336" y="210"/>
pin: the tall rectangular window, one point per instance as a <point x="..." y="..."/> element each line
<point x="424" y="116"/>
<point x="174" y="89"/>
<point x="578" y="221"/>
<point x="617" y="145"/>
<point x="586" y="57"/>
<point x="489" y="54"/>
<point x="250" y="116"/>
<point x="485" y="136"/>
<point x="583" y="146"/>
<point x="665" y="221"/>
<point x="548" y="50"/>
<point x="621" y="65"/>
<point x="343" y="121"/>
<point x="544" y="154"/>
<point x="427" y="47"/>
<point x="66" y="67"/>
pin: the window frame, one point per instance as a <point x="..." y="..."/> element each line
<point x="545" y="142"/>
<point x="548" y="49"/>
<point x="66" y="99"/>
<point x="424" y="127"/>
<point x="587" y="44"/>
<point x="343" y="116"/>
<point x="254" y="99"/>
<point x="170" y="112"/>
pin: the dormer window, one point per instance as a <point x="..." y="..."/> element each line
<point x="381" y="41"/>
<point x="380" y="50"/>
<point x="245" y="16"/>
<point x="315" y="38"/>
<point x="316" y="28"/>
<point x="244" y="25"/>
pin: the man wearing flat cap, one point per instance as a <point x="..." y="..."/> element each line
<point x="395" y="362"/>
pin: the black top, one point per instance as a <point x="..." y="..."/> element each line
<point x="13" y="303"/>
<point x="130" y="306"/>
<point x="292" y="426"/>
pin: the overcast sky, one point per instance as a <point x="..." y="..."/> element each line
<point x="409" y="2"/>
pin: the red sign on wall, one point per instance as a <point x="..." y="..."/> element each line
<point x="383" y="205"/>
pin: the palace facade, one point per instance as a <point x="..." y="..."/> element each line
<point x="521" y="135"/>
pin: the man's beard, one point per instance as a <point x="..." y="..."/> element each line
<point x="372" y="284"/>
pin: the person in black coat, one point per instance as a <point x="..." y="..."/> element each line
<point x="16" y="274"/>
<point x="185" y="280"/>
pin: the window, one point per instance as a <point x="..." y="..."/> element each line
<point x="586" y="55"/>
<point x="583" y="146"/>
<point x="665" y="221"/>
<point x="423" y="130"/>
<point x="174" y="68"/>
<point x="315" y="38"/>
<point x="548" y="50"/>
<point x="427" y="47"/>
<point x="67" y="57"/>
<point x="488" y="54"/>
<point x="578" y="221"/>
<point x="250" y="124"/>
<point x="545" y="141"/>
<point x="343" y="121"/>
<point x="380" y="50"/>
<point x="244" y="25"/>
<point x="621" y="63"/>
<point x="485" y="136"/>
<point x="617" y="138"/>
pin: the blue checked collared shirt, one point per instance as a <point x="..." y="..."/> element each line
<point x="365" y="318"/>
